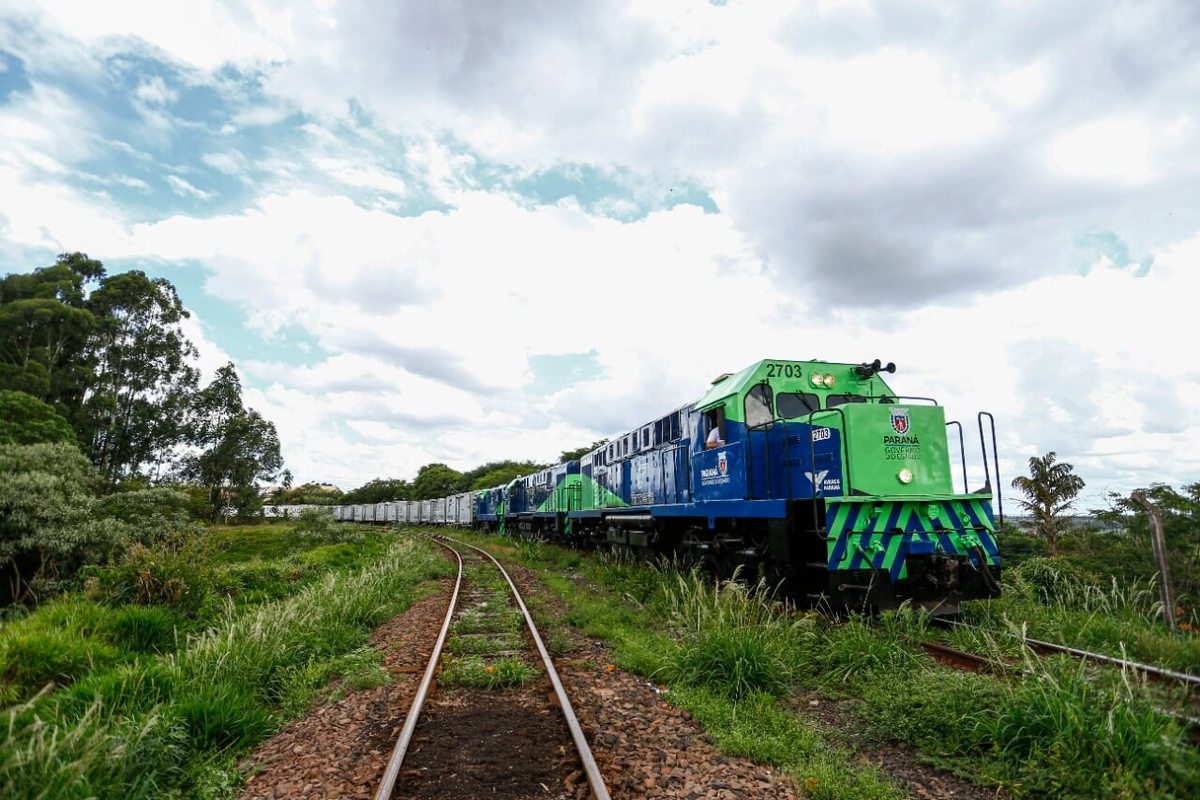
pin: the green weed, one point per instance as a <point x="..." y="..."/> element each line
<point x="477" y="672"/>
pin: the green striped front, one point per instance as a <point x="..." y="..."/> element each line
<point x="879" y="533"/>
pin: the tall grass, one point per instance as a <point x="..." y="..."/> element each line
<point x="733" y="639"/>
<point x="137" y="732"/>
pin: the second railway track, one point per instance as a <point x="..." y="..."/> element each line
<point x="497" y="734"/>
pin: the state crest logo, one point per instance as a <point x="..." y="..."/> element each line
<point x="900" y="423"/>
<point x="722" y="464"/>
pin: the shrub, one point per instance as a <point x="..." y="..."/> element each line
<point x="316" y="524"/>
<point x="1049" y="580"/>
<point x="47" y="531"/>
<point x="149" y="515"/>
<point x="169" y="572"/>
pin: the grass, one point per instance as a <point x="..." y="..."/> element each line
<point x="733" y="657"/>
<point x="486" y="673"/>
<point x="728" y="653"/>
<point x="151" y="604"/>
<point x="173" y="724"/>
<point x="486" y="649"/>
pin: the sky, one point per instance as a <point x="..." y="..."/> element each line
<point x="462" y="232"/>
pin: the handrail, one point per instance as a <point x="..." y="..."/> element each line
<point x="998" y="494"/>
<point x="962" y="450"/>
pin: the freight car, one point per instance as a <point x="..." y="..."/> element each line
<point x="814" y="474"/>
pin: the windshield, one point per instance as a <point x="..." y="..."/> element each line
<point x="796" y="404"/>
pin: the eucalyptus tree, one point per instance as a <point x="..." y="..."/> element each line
<point x="142" y="376"/>
<point x="235" y="448"/>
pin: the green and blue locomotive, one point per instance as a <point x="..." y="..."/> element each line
<point x="814" y="474"/>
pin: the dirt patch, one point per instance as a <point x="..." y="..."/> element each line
<point x="340" y="749"/>
<point x="840" y="723"/>
<point x="648" y="748"/>
<point x="509" y="745"/>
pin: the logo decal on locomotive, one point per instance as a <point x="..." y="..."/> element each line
<point x="722" y="463"/>
<point x="900" y="423"/>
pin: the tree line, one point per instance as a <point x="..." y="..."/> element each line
<point x="101" y="362"/>
<point x="432" y="481"/>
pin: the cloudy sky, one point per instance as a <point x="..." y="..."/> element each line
<point x="465" y="231"/>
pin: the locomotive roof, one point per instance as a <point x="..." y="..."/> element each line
<point x="727" y="384"/>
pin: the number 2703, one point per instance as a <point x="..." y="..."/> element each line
<point x="783" y="370"/>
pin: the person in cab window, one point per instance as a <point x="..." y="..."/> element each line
<point x="714" y="437"/>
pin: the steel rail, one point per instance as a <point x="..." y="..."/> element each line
<point x="960" y="659"/>
<point x="388" y="784"/>
<point x="1153" y="673"/>
<point x="590" y="768"/>
<point x="1158" y="674"/>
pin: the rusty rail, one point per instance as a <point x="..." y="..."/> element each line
<point x="388" y="784"/>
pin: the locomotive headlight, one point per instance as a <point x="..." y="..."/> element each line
<point x="816" y="379"/>
<point x="905" y="475"/>
<point x="827" y="380"/>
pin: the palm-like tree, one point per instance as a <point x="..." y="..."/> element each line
<point x="1049" y="490"/>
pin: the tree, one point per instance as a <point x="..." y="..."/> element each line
<point x="44" y="329"/>
<point x="379" y="490"/>
<point x="435" y="480"/>
<point x="1050" y="489"/>
<point x="317" y="494"/>
<point x="26" y="420"/>
<point x="237" y="448"/>
<point x="575" y="455"/>
<point x="497" y="473"/>
<point x="135" y="405"/>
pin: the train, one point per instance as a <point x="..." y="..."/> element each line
<point x="814" y="475"/>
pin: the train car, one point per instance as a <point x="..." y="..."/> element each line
<point x="814" y="474"/>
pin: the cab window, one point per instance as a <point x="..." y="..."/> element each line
<point x="796" y="404"/>
<point x="713" y="419"/>
<point x="758" y="406"/>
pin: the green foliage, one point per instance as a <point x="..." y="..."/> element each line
<point x="47" y="530"/>
<point x="735" y="640"/>
<point x="1131" y="551"/>
<point x="149" y="515"/>
<point x="759" y="727"/>
<point x="317" y="494"/>
<point x="497" y="473"/>
<point x="1050" y="489"/>
<point x="145" y="730"/>
<point x="237" y="447"/>
<point x="1047" y="579"/>
<point x="142" y="378"/>
<point x="1066" y="733"/>
<point x="378" y="490"/>
<point x="435" y="480"/>
<point x="580" y="452"/>
<point x="45" y="328"/>
<point x="491" y="673"/>
<point x="170" y="572"/>
<point x="26" y="420"/>
<point x="319" y="525"/>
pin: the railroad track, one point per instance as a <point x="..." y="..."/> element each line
<point x="971" y="662"/>
<point x="396" y="764"/>
<point x="1152" y="673"/>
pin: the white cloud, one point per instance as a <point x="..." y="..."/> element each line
<point x="904" y="183"/>
<point x="182" y="187"/>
